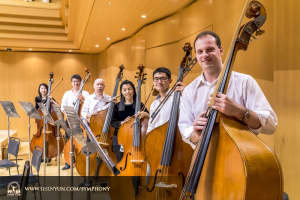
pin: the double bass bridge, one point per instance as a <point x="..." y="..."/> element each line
<point x="167" y="186"/>
<point x="104" y="144"/>
<point x="137" y="161"/>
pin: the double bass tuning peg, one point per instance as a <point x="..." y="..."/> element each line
<point x="259" y="32"/>
<point x="255" y="38"/>
<point x="145" y="74"/>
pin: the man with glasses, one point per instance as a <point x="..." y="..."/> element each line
<point x="69" y="98"/>
<point x="161" y="81"/>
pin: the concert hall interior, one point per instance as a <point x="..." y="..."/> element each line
<point x="67" y="36"/>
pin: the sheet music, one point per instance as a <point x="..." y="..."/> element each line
<point x="110" y="164"/>
<point x="60" y="120"/>
<point x="9" y="109"/>
<point x="75" y="128"/>
<point x="30" y="110"/>
<point x="47" y="115"/>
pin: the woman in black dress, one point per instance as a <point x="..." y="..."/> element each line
<point x="42" y="98"/>
<point x="123" y="111"/>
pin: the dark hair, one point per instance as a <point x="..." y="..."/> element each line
<point x="205" y="33"/>
<point x="121" y="106"/>
<point x="76" y="76"/>
<point x="163" y="70"/>
<point x="46" y="86"/>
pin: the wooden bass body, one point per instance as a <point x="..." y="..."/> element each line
<point x="51" y="132"/>
<point x="120" y="187"/>
<point x="96" y="125"/>
<point x="168" y="175"/>
<point x="239" y="166"/>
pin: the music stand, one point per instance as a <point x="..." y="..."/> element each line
<point x="10" y="111"/>
<point x="47" y="120"/>
<point x="75" y="131"/>
<point x="31" y="113"/>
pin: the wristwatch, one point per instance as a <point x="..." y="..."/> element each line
<point x="246" y="116"/>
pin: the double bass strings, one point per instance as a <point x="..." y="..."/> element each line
<point x="204" y="132"/>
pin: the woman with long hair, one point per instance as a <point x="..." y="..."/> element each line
<point x="42" y="98"/>
<point x="123" y="111"/>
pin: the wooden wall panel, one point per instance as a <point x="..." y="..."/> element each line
<point x="195" y="18"/>
<point x="23" y="72"/>
<point x="162" y="32"/>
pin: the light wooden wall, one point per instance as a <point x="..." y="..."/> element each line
<point x="21" y="74"/>
<point x="272" y="61"/>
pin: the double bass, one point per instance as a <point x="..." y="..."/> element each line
<point x="78" y="104"/>
<point x="231" y="162"/>
<point x="50" y="130"/>
<point x="132" y="165"/>
<point x="101" y="128"/>
<point x="168" y="156"/>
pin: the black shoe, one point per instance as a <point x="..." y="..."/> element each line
<point x="66" y="167"/>
<point x="48" y="160"/>
<point x="95" y="180"/>
<point x="83" y="183"/>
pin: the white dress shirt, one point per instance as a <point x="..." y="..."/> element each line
<point x="93" y="103"/>
<point x="242" y="88"/>
<point x="164" y="114"/>
<point x="69" y="98"/>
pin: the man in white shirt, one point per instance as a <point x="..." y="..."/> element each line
<point x="70" y="97"/>
<point x="95" y="102"/>
<point x="161" y="81"/>
<point x="244" y="99"/>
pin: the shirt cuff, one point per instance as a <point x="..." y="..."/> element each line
<point x="186" y="136"/>
<point x="262" y="116"/>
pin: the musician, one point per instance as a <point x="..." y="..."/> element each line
<point x="42" y="98"/>
<point x="244" y="99"/>
<point x="70" y="98"/>
<point x="95" y="102"/>
<point x="123" y="111"/>
<point x="161" y="82"/>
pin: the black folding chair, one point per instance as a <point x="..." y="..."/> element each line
<point x="36" y="163"/>
<point x="13" y="149"/>
<point x="24" y="181"/>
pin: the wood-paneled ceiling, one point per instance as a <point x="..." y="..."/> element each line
<point x="80" y="26"/>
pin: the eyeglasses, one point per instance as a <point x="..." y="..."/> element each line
<point x="161" y="79"/>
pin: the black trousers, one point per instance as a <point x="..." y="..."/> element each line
<point x="117" y="148"/>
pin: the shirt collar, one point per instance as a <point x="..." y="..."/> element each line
<point x="201" y="79"/>
<point x="96" y="98"/>
<point x="158" y="96"/>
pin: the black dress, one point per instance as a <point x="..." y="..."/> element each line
<point x="39" y="100"/>
<point x="117" y="118"/>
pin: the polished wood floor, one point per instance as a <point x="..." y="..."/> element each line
<point x="51" y="170"/>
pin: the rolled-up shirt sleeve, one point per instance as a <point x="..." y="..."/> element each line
<point x="85" y="108"/>
<point x="186" y="119"/>
<point x="257" y="102"/>
<point x="64" y="102"/>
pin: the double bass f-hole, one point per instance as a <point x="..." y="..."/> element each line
<point x="121" y="168"/>
<point x="148" y="190"/>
